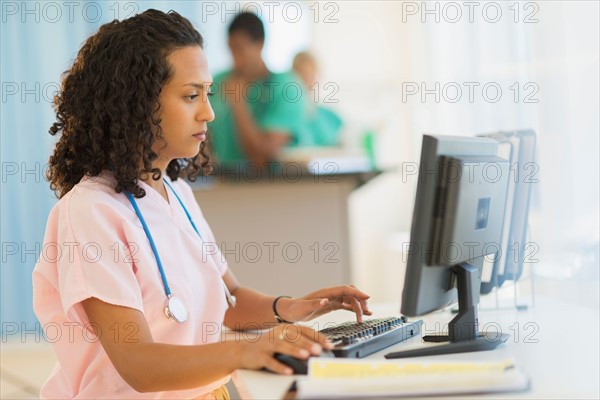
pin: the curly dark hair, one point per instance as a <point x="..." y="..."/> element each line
<point x="107" y="102"/>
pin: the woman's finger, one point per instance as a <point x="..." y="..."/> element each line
<point x="340" y="291"/>
<point x="294" y="349"/>
<point x="365" y="307"/>
<point x="317" y="337"/>
<point x="356" y="307"/>
<point x="363" y="303"/>
<point x="349" y="291"/>
<point x="298" y="345"/>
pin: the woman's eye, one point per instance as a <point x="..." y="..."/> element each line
<point x="191" y="97"/>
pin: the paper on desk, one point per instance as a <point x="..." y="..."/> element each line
<point x="344" y="378"/>
<point x="356" y="368"/>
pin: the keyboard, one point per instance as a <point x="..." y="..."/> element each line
<point x="354" y="340"/>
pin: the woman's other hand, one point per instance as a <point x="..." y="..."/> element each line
<point x="294" y="340"/>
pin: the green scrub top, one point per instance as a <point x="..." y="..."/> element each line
<point x="277" y="103"/>
<point x="322" y="127"/>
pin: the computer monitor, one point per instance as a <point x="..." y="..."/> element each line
<point x="519" y="148"/>
<point x="457" y="223"/>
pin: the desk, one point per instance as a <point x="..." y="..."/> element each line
<point x="556" y="344"/>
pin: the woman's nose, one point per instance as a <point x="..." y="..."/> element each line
<point x="205" y="112"/>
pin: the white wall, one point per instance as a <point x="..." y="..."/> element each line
<point x="371" y="54"/>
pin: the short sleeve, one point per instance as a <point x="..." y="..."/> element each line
<point x="288" y="110"/>
<point x="97" y="264"/>
<point x="187" y="196"/>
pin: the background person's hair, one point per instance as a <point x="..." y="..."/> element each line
<point x="249" y="24"/>
<point x="107" y="102"/>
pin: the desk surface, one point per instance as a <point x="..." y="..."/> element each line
<point x="554" y="343"/>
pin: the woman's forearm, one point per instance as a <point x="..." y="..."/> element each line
<point x="254" y="310"/>
<point x="254" y="143"/>
<point x="153" y="367"/>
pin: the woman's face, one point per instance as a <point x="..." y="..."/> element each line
<point x="185" y="109"/>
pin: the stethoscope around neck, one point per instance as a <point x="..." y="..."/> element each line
<point x="174" y="307"/>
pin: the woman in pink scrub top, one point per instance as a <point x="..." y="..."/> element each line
<point x="132" y="115"/>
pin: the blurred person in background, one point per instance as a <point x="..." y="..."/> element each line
<point x="322" y="125"/>
<point x="258" y="111"/>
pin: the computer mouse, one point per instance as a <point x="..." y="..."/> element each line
<point x="298" y="365"/>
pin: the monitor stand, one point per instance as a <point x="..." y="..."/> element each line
<point x="463" y="335"/>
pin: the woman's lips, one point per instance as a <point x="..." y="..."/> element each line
<point x="200" y="136"/>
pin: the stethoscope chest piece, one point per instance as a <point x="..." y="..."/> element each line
<point x="176" y="310"/>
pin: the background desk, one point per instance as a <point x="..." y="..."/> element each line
<point x="554" y="343"/>
<point x="285" y="231"/>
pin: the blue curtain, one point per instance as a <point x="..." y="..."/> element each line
<point x="34" y="53"/>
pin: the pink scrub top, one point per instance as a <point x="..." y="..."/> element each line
<point x="95" y="246"/>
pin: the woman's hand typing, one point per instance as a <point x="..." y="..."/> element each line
<point x="323" y="301"/>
